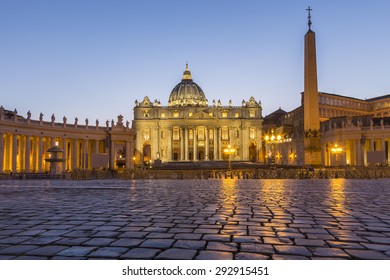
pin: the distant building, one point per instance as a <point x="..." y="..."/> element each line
<point x="329" y="129"/>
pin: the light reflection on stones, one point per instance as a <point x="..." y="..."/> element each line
<point x="325" y="213"/>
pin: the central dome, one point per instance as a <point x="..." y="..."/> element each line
<point x="187" y="93"/>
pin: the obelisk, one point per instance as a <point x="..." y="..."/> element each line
<point x="312" y="140"/>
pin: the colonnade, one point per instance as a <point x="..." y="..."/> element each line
<point x="354" y="151"/>
<point x="27" y="153"/>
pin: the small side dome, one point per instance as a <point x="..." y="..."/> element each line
<point x="187" y="92"/>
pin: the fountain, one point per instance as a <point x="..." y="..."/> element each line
<point x="55" y="159"/>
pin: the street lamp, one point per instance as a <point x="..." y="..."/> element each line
<point x="272" y="139"/>
<point x="229" y="151"/>
<point x="336" y="150"/>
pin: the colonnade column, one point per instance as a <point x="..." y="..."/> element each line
<point x="34" y="155"/>
<point x="358" y="157"/>
<point x="28" y="154"/>
<point x="128" y="156"/>
<point x="195" y="140"/>
<point x="64" y="148"/>
<point x="20" y="164"/>
<point x="215" y="144"/>
<point x="169" y="146"/>
<point x="186" y="143"/>
<point x="74" y="154"/>
<point x="181" y="144"/>
<point x="241" y="155"/>
<point x="40" y="149"/>
<point x="206" y="156"/>
<point x="388" y="151"/>
<point x="219" y="143"/>
<point x="14" y="151"/>
<point x="96" y="146"/>
<point x="131" y="153"/>
<point x="112" y="155"/>
<point x="383" y="145"/>
<point x="2" y="152"/>
<point x="86" y="154"/>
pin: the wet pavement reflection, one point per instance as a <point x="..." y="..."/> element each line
<point x="195" y="219"/>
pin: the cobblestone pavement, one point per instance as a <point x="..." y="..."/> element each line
<point x="195" y="219"/>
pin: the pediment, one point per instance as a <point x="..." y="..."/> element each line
<point x="202" y="115"/>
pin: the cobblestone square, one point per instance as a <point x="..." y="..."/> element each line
<point x="195" y="219"/>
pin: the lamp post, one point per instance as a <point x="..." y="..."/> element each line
<point x="336" y="150"/>
<point x="229" y="151"/>
<point x="272" y="139"/>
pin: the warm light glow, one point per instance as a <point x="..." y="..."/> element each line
<point x="56" y="143"/>
<point x="273" y="137"/>
<point x="336" y="149"/>
<point x="229" y="150"/>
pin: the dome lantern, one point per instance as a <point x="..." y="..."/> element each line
<point x="187" y="92"/>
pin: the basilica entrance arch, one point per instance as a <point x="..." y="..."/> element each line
<point x="201" y="154"/>
<point x="253" y="152"/>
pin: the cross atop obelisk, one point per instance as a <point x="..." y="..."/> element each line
<point x="309" y="16"/>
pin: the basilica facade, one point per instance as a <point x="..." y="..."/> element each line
<point x="191" y="129"/>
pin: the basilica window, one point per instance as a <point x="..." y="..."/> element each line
<point x="201" y="134"/>
<point x="176" y="134"/>
<point x="146" y="135"/>
<point x="237" y="115"/>
<point x="211" y="134"/>
<point x="146" y="113"/>
<point x="252" y="114"/>
<point x="175" y="114"/>
<point x="225" y="133"/>
<point x="211" y="114"/>
<point x="252" y="133"/>
<point x="190" y="114"/>
<point x="191" y="134"/>
<point x="224" y="114"/>
<point x="163" y="115"/>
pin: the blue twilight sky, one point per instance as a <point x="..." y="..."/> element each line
<point x="93" y="58"/>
